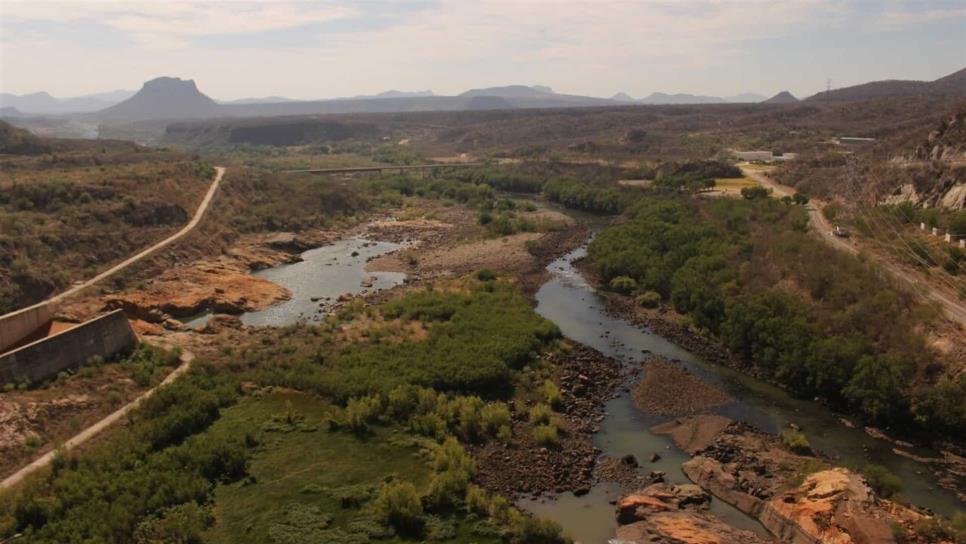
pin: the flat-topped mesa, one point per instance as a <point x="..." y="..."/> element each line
<point x="163" y="98"/>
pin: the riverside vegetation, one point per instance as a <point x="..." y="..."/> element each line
<point x="216" y="442"/>
<point x="817" y="321"/>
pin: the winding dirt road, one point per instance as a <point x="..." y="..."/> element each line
<point x="199" y="213"/>
<point x="955" y="309"/>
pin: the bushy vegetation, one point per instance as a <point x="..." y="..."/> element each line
<point x="795" y="440"/>
<point x="584" y="196"/>
<point x="838" y="329"/>
<point x="883" y="482"/>
<point x="474" y="340"/>
<point x="146" y="482"/>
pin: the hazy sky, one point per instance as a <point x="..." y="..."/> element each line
<point x="323" y="49"/>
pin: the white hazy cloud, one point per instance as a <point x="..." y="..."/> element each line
<point x="335" y="48"/>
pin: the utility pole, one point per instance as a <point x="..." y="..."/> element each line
<point x="828" y="89"/>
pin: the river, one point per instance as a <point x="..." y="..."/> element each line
<point x="326" y="273"/>
<point x="568" y="300"/>
<point x="318" y="280"/>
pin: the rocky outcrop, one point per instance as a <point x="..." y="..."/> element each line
<point x="799" y="499"/>
<point x="221" y="287"/>
<point x="667" y="513"/>
<point x="830" y="506"/>
<point x="946" y="143"/>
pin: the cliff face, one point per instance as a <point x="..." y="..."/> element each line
<point x="946" y="143"/>
<point x="935" y="174"/>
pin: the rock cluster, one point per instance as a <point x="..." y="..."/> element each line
<point x="665" y="514"/>
<point x="523" y="467"/>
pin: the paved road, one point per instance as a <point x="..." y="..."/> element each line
<point x="95" y="429"/>
<point x="199" y="213"/>
<point x="955" y="308"/>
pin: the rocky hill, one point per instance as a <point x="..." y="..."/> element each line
<point x="952" y="85"/>
<point x="163" y="98"/>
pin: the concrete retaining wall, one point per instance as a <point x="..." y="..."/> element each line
<point x="104" y="336"/>
<point x="16" y="326"/>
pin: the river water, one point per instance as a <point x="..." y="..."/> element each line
<point x="328" y="272"/>
<point x="567" y="300"/>
<point x="318" y="280"/>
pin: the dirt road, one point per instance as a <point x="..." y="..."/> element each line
<point x="95" y="429"/>
<point x="955" y="309"/>
<point x="199" y="213"/>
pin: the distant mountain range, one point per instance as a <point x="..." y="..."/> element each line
<point x="169" y="98"/>
<point x="44" y="103"/>
<point x="681" y="98"/>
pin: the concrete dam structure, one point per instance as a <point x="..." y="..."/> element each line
<point x="27" y="357"/>
<point x="16" y="327"/>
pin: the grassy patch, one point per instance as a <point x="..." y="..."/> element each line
<point x="311" y="482"/>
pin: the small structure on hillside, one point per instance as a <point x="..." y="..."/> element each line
<point x="762" y="156"/>
<point x="847" y="140"/>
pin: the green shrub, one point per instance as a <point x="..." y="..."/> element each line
<point x="495" y="416"/>
<point x="546" y="435"/>
<point x="648" y="299"/>
<point x="446" y="490"/>
<point x="883" y="482"/>
<point x="360" y="412"/>
<point x="529" y="530"/>
<point x="402" y="401"/>
<point x="795" y="441"/>
<point x="754" y="193"/>
<point x="450" y="455"/>
<point x="623" y="284"/>
<point x="552" y="394"/>
<point x="182" y="524"/>
<point x="477" y="501"/>
<point x="540" y="413"/>
<point x="398" y="505"/>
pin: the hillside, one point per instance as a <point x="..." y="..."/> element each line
<point x="952" y="85"/>
<point x="17" y="141"/>
<point x="163" y="98"/>
<point x="69" y="207"/>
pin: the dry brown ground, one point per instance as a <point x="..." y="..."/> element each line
<point x="33" y="422"/>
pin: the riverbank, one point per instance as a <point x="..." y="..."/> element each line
<point x="523" y="467"/>
<point x="947" y="463"/>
